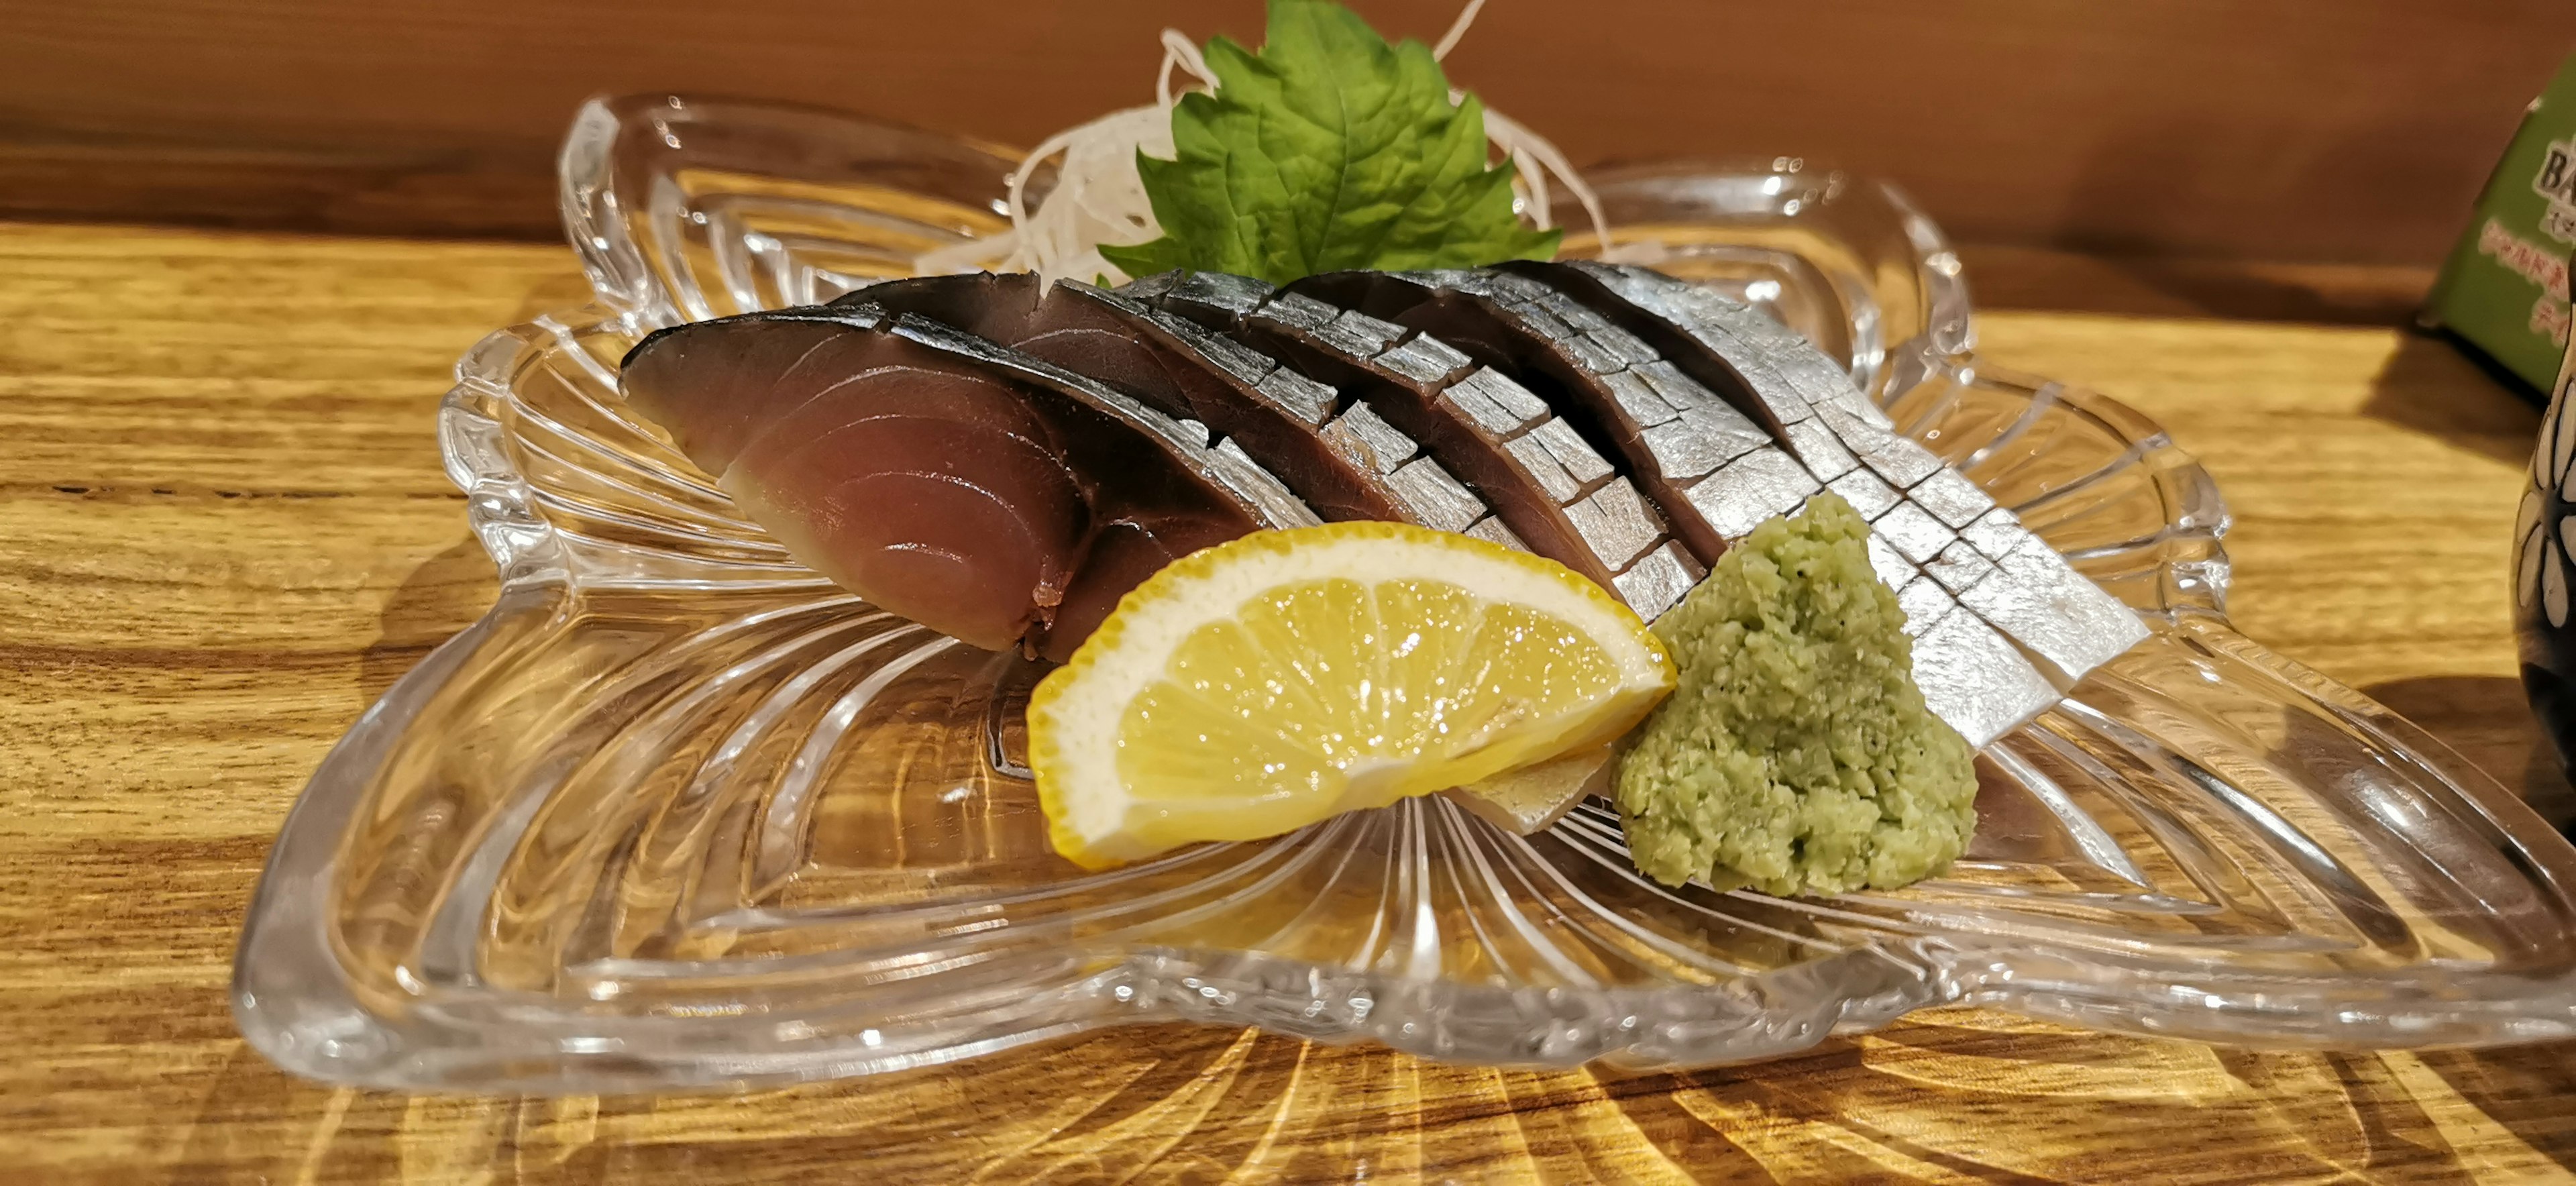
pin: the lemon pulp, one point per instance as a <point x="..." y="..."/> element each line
<point x="1268" y="683"/>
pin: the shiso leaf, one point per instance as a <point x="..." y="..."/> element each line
<point x="1795" y="756"/>
<point x="1328" y="149"/>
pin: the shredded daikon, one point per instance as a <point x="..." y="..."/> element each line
<point x="1457" y="30"/>
<point x="1098" y="198"/>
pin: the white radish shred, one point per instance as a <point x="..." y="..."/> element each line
<point x="1457" y="30"/>
<point x="1179" y="50"/>
<point x="1524" y="147"/>
<point x="1099" y="199"/>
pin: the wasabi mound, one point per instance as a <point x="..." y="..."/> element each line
<point x="1796" y="756"/>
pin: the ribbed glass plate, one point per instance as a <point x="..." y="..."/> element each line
<point x="678" y="813"/>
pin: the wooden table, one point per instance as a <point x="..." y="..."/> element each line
<point x="223" y="532"/>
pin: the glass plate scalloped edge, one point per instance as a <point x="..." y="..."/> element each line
<point x="677" y="814"/>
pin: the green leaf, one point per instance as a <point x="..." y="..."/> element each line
<point x="1327" y="150"/>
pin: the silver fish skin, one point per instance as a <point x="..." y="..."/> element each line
<point x="1747" y="422"/>
<point x="2053" y="624"/>
<point x="1524" y="449"/>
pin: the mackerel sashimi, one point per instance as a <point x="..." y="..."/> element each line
<point x="987" y="495"/>
<point x="1002" y="458"/>
<point x="1170" y="365"/>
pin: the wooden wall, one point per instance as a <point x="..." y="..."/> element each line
<point x="2344" y="130"/>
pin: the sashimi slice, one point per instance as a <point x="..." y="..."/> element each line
<point x="987" y="496"/>
<point x="1276" y="416"/>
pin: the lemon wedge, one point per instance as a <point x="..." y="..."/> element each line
<point x="1261" y="685"/>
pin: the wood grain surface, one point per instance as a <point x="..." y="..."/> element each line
<point x="2344" y="130"/>
<point x="223" y="532"/>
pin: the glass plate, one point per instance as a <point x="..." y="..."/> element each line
<point x="677" y="813"/>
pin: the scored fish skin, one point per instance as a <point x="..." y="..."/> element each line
<point x="1346" y="465"/>
<point x="1358" y="452"/>
<point x="1547" y="485"/>
<point x="1721" y="464"/>
<point x="1925" y="516"/>
<point x="1721" y="371"/>
<point x="983" y="493"/>
<point x="1170" y="365"/>
<point x="1323" y="344"/>
<point x="1616" y="391"/>
<point x="1251" y="486"/>
<point x="1730" y="477"/>
<point x="1627" y="519"/>
<point x="1767" y="369"/>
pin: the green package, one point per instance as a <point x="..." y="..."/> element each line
<point x="2504" y="288"/>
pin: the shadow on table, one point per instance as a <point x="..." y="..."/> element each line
<point x="569" y="291"/>
<point x="2429" y="386"/>
<point x="442" y="595"/>
<point x="1952" y="1094"/>
<point x="2528" y="1096"/>
<point x="2486" y="721"/>
<point x="447" y="592"/>
<point x="2132" y="285"/>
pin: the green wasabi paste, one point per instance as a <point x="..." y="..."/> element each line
<point x="1795" y="756"/>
